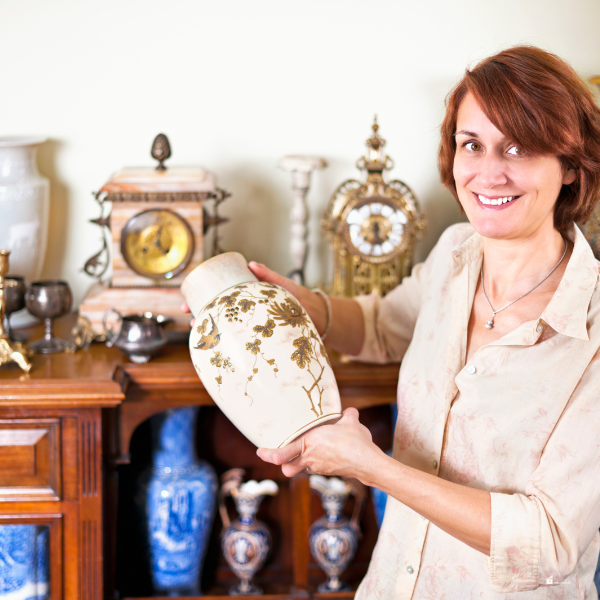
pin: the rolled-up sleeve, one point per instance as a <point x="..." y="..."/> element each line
<point x="539" y="537"/>
<point x="389" y="322"/>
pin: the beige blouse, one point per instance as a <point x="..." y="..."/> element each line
<point x="520" y="420"/>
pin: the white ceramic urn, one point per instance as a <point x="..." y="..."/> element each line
<point x="257" y="353"/>
<point x="24" y="205"/>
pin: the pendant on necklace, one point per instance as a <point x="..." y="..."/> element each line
<point x="490" y="323"/>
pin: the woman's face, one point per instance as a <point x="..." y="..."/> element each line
<point x="505" y="192"/>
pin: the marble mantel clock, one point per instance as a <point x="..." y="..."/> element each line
<point x="153" y="237"/>
<point x="372" y="227"/>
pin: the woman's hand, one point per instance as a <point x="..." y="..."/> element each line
<point x="345" y="449"/>
<point x="312" y="303"/>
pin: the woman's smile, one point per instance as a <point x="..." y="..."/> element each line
<point x="495" y="202"/>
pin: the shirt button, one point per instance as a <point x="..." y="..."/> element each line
<point x="540" y="328"/>
<point x="435" y="464"/>
<point x="410" y="570"/>
<point x="472" y="369"/>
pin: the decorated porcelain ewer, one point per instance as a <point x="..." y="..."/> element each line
<point x="333" y="538"/>
<point x="257" y="353"/>
<point x="246" y="542"/>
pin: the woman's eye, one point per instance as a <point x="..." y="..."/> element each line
<point x="473" y="146"/>
<point x="516" y="151"/>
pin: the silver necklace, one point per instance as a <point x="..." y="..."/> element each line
<point x="490" y="323"/>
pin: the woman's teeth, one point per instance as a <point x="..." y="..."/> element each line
<point x="495" y="201"/>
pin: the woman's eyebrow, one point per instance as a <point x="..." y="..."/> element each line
<point x="467" y="133"/>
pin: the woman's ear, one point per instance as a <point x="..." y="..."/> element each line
<point x="569" y="175"/>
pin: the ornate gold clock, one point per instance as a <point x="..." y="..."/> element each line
<point x="152" y="238"/>
<point x="372" y="227"/>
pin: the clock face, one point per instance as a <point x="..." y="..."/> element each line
<point x="375" y="230"/>
<point x="157" y="243"/>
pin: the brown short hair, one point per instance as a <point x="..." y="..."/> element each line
<point x="537" y="100"/>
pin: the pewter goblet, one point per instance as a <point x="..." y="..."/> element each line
<point x="14" y="297"/>
<point x="47" y="300"/>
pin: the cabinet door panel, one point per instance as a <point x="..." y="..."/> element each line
<point x="30" y="455"/>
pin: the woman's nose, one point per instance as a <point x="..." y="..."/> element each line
<point x="492" y="171"/>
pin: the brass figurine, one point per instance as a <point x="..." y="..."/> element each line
<point x="372" y="227"/>
<point x="9" y="351"/>
<point x="161" y="150"/>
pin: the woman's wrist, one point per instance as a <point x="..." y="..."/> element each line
<point x="317" y="310"/>
<point x="325" y="330"/>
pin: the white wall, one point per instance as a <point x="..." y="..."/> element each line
<point x="236" y="84"/>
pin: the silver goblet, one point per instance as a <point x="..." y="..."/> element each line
<point x="47" y="300"/>
<point x="15" y="288"/>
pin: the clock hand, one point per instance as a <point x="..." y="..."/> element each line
<point x="157" y="242"/>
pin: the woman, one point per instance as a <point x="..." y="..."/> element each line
<point x="495" y="480"/>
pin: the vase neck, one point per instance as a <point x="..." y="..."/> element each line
<point x="18" y="162"/>
<point x="174" y="440"/>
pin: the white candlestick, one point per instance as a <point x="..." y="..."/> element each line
<point x="301" y="168"/>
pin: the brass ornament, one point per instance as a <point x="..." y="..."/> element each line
<point x="9" y="351"/>
<point x="372" y="227"/>
<point x="161" y="150"/>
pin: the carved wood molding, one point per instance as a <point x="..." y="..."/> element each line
<point x="59" y="393"/>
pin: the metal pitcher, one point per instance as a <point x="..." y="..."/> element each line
<point x="140" y="336"/>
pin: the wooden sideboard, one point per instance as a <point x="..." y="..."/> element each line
<point x="74" y="438"/>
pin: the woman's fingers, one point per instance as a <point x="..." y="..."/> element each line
<point x="293" y="467"/>
<point x="185" y="308"/>
<point x="279" y="456"/>
<point x="265" y="274"/>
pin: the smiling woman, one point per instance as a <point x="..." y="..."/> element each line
<point x="493" y="485"/>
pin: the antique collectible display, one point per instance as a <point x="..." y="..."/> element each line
<point x="300" y="168"/>
<point x="24" y="205"/>
<point x="139" y="336"/>
<point x="152" y="238"/>
<point x="48" y="300"/>
<point x="245" y="542"/>
<point x="333" y="538"/>
<point x="14" y="296"/>
<point x="178" y="497"/>
<point x="9" y="351"/>
<point x="372" y="227"/>
<point x="257" y="353"/>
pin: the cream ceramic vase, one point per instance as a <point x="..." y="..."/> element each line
<point x="257" y="353"/>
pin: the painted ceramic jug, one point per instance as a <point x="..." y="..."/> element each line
<point x="178" y="496"/>
<point x="333" y="539"/>
<point x="257" y="353"/>
<point x="246" y="542"/>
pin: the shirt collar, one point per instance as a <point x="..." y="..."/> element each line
<point x="567" y="311"/>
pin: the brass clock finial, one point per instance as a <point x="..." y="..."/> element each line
<point x="9" y="351"/>
<point x="375" y="160"/>
<point x="161" y="150"/>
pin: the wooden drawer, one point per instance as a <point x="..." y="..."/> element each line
<point x="30" y="459"/>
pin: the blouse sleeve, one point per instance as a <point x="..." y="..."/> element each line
<point x="389" y="322"/>
<point x="539" y="537"/>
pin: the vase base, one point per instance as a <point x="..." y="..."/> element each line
<point x="245" y="588"/>
<point x="333" y="584"/>
<point x="319" y="421"/>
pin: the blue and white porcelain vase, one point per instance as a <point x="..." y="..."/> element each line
<point x="333" y="539"/>
<point x="24" y="567"/>
<point x="179" y="494"/>
<point x="245" y="542"/>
